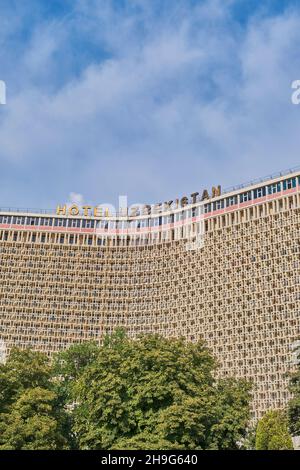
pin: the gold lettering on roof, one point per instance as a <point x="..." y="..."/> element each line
<point x="61" y="210"/>
<point x="97" y="211"/>
<point x="74" y="210"/>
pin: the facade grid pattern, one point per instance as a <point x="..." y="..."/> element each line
<point x="239" y="288"/>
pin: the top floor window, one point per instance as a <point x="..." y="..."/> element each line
<point x="88" y="223"/>
<point x="169" y="219"/>
<point x="231" y="201"/>
<point x="244" y="197"/>
<point x="102" y="224"/>
<point x="155" y="222"/>
<point x="218" y="205"/>
<point x="259" y="192"/>
<point x="289" y="184"/>
<point x="74" y="223"/>
<point x="18" y="220"/>
<point x="119" y="224"/>
<point x="207" y="208"/>
<point x="32" y="220"/>
<point x="274" y="188"/>
<point x="5" y="219"/>
<point x="144" y="222"/>
<point x="46" y="222"/>
<point x="60" y="222"/>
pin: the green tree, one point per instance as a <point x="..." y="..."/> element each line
<point x="69" y="364"/>
<point x="67" y="367"/>
<point x="23" y="369"/>
<point x="32" y="423"/>
<point x="157" y="393"/>
<point x="149" y="393"/>
<point x="29" y="415"/>
<point x="232" y="407"/>
<point x="272" y="432"/>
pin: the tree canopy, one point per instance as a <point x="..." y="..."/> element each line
<point x="147" y="393"/>
<point x="29" y="416"/>
<point x="159" y="388"/>
<point x="272" y="432"/>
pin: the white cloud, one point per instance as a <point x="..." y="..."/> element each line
<point x="75" y="198"/>
<point x="194" y="99"/>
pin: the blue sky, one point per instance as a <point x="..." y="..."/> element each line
<point x="149" y="98"/>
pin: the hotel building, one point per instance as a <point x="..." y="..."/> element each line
<point x="225" y="268"/>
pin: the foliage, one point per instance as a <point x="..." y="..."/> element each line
<point x="29" y="418"/>
<point x="248" y="442"/>
<point x="148" y="393"/>
<point x="32" y="423"/>
<point x="69" y="364"/>
<point x="272" y="432"/>
<point x="160" y="388"/>
<point x="23" y="370"/>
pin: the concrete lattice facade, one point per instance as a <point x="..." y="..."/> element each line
<point x="226" y="270"/>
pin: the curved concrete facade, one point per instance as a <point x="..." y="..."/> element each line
<point x="225" y="269"/>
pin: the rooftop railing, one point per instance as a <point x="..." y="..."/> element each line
<point x="121" y="214"/>
<point x="262" y="179"/>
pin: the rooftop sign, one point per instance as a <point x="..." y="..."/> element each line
<point x="137" y="209"/>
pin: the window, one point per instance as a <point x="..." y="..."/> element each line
<point x="274" y="188"/>
<point x="289" y="184"/>
<point x="197" y="211"/>
<point x="220" y="204"/>
<point x="75" y="223"/>
<point x="144" y="223"/>
<point x="88" y="223"/>
<point x="184" y="215"/>
<point x="207" y="208"/>
<point x="18" y="220"/>
<point x="154" y="222"/>
<point x="60" y="222"/>
<point x="259" y="192"/>
<point x="102" y="224"/>
<point x="244" y="197"/>
<point x="32" y="221"/>
<point x="46" y="222"/>
<point x="5" y="219"/>
<point x="231" y="201"/>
